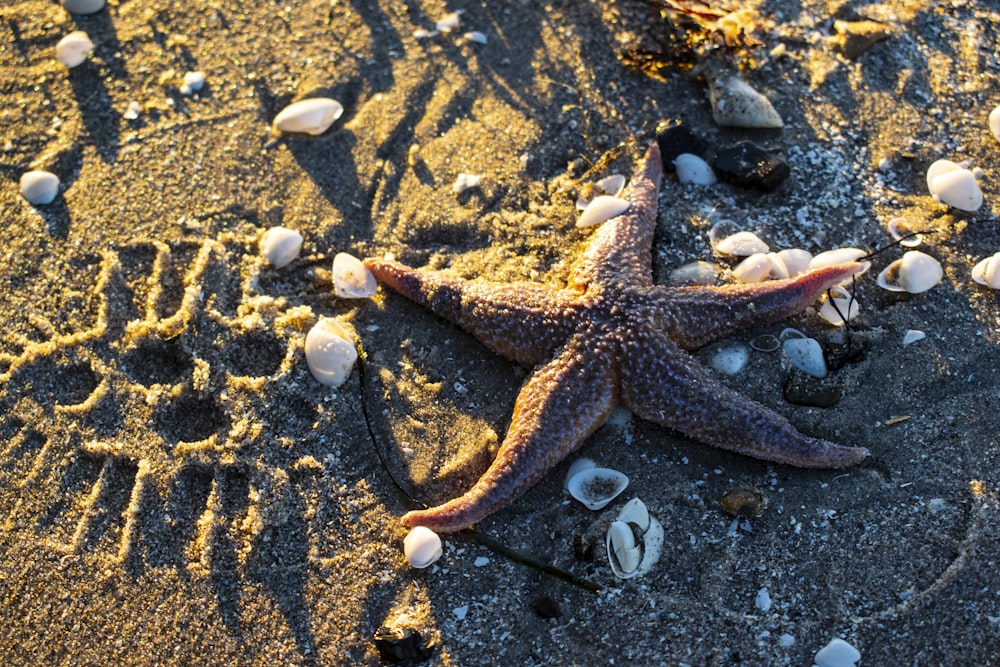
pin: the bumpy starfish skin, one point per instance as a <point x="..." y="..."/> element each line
<point x="609" y="337"/>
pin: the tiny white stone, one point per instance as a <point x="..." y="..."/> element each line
<point x="193" y="82"/>
<point x="351" y="278"/>
<point x="995" y="122"/>
<point x="914" y="272"/>
<point x="763" y="600"/>
<point x="786" y="640"/>
<point x="806" y="355"/>
<point x="465" y="182"/>
<point x="312" y="116"/>
<point x="735" y="103"/>
<point x="692" y="169"/>
<point x="482" y="561"/>
<point x="83" y="6"/>
<point x="133" y="111"/>
<point x="741" y="244"/>
<point x="936" y="505"/>
<point x="601" y="209"/>
<point x="39" y="187"/>
<point x="754" y="268"/>
<point x="449" y="22"/>
<point x="953" y="185"/>
<point x="987" y="272"/>
<point x="74" y="48"/>
<point x="912" y="336"/>
<point x="475" y="36"/>
<point x="730" y="359"/>
<point x="330" y="352"/>
<point x="596" y="487"/>
<point x="461" y="612"/>
<point x="796" y="261"/>
<point x="421" y="546"/>
<point x="280" y="245"/>
<point x="421" y="33"/>
<point x="837" y="653"/>
<point x="843" y="304"/>
<point x="694" y="273"/>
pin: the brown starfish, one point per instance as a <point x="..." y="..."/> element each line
<point x="611" y="336"/>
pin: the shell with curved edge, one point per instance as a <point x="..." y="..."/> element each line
<point x="73" y="49"/>
<point x="624" y="550"/>
<point x="634" y="540"/>
<point x="914" y="272"/>
<point x="602" y="208"/>
<point x="596" y="487"/>
<point x="754" y="269"/>
<point x="692" y="169"/>
<point x="994" y="122"/>
<point x="330" y="352"/>
<point x="987" y="272"/>
<point x="39" y="187"/>
<point x="351" y="278"/>
<point x="796" y="261"/>
<point x="635" y="511"/>
<point x="422" y="547"/>
<point x="804" y="353"/>
<point x="839" y="306"/>
<point x="741" y="244"/>
<point x="839" y="256"/>
<point x="280" y="245"/>
<point x="576" y="468"/>
<point x="311" y="116"/>
<point x="953" y="185"/>
<point x="735" y="103"/>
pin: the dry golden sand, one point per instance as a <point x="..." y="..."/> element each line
<point x="175" y="488"/>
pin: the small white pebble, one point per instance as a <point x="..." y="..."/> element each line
<point x="351" y="278"/>
<point x="74" y="48"/>
<point x="311" y="116"/>
<point x="280" y="245"/>
<point x="330" y="352"/>
<point x="133" y="111"/>
<point x="936" y="505"/>
<point x="193" y="82"/>
<point x="482" y="561"/>
<point x="837" y="653"/>
<point x="786" y="640"/>
<point x="421" y="546"/>
<point x="692" y="169"/>
<point x="730" y="359"/>
<point x="763" y="600"/>
<point x="475" y="36"/>
<point x="465" y="182"/>
<point x="39" y="187"/>
<point x="804" y="354"/>
<point x="912" y="336"/>
<point x="461" y="612"/>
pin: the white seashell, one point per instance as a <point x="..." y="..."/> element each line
<point x="778" y="269"/>
<point x="280" y="245"/>
<point x="193" y="82"/>
<point x="736" y="104"/>
<point x="995" y="122"/>
<point x="465" y="182"/>
<point x="475" y="36"/>
<point x="577" y="467"/>
<point x="694" y="273"/>
<point x="613" y="184"/>
<point x="796" y="261"/>
<point x="596" y="487"/>
<point x="763" y="600"/>
<point x="39" y="187"/>
<point x="754" y="268"/>
<point x="805" y="354"/>
<point x="133" y="111"/>
<point x="449" y="22"/>
<point x="914" y="272"/>
<point x="312" y="116"/>
<point x="730" y="359"/>
<point x="83" y="6"/>
<point x="601" y="209"/>
<point x="330" y="352"/>
<point x="634" y="540"/>
<point x="839" y="256"/>
<point x="897" y="230"/>
<point x="421" y="33"/>
<point x="692" y="169"/>
<point x="954" y="186"/>
<point x="837" y="653"/>
<point x="841" y="305"/>
<point x="635" y="512"/>
<point x="421" y="546"/>
<point x="74" y="48"/>
<point x="351" y="278"/>
<point x="912" y="336"/>
<point x="741" y="244"/>
<point x="624" y="550"/>
<point x="987" y="272"/>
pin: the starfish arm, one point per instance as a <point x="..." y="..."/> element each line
<point x="561" y="404"/>
<point x="696" y="316"/>
<point x="525" y="322"/>
<point x="621" y="251"/>
<point x="664" y="384"/>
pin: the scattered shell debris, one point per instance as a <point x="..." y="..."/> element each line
<point x="634" y="541"/>
<point x="39" y="187"/>
<point x="691" y="169"/>
<point x="280" y="246"/>
<point x="422" y="547"/>
<point x="837" y="653"/>
<point x="330" y="352"/>
<point x="596" y="487"/>
<point x="987" y="271"/>
<point x="73" y="49"/>
<point x="351" y="278"/>
<point x="803" y="353"/>
<point x="312" y="116"/>
<point x="601" y="209"/>
<point x="914" y="272"/>
<point x="465" y="182"/>
<point x="953" y="185"/>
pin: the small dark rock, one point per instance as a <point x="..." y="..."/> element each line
<point x="744" y="501"/>
<point x="546" y="607"/>
<point x="675" y="139"/>
<point x="400" y="645"/>
<point x="802" y="389"/>
<point x="748" y="165"/>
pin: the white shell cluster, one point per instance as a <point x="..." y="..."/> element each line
<point x="692" y="169"/>
<point x="914" y="272"/>
<point x="330" y="352"/>
<point x="280" y="245"/>
<point x="83" y="6"/>
<point x="987" y="272"/>
<point x="594" y="487"/>
<point x="735" y="103"/>
<point x="837" y="653"/>
<point x="39" y="187"/>
<point x="351" y="278"/>
<point x="953" y="185"/>
<point x="73" y="49"/>
<point x="634" y="540"/>
<point x="422" y="547"/>
<point x="311" y="116"/>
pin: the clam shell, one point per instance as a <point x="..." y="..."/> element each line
<point x="987" y="272"/>
<point x="994" y="122"/>
<point x="953" y="185"/>
<point x="897" y="230"/>
<point x="735" y="103"/>
<point x="846" y="306"/>
<point x="914" y="272"/>
<point x="806" y="355"/>
<point x="351" y="278"/>
<point x="596" y="487"/>
<point x="624" y="550"/>
<point x="280" y="245"/>
<point x="635" y="512"/>
<point x="39" y="187"/>
<point x="330" y="352"/>
<point x="741" y="244"/>
<point x="602" y="208"/>
<point x="839" y="256"/>
<point x="754" y="269"/>
<point x="634" y="541"/>
<point x="692" y="169"/>
<point x="74" y="48"/>
<point x="312" y="116"/>
<point x="576" y="468"/>
<point x="422" y="546"/>
<point x="796" y="261"/>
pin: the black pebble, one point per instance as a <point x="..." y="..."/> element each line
<point x="675" y="139"/>
<point x="748" y="165"/>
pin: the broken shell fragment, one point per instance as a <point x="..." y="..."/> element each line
<point x="601" y="209"/>
<point x="596" y="487"/>
<point x="39" y="187"/>
<point x="634" y="540"/>
<point x="330" y="352"/>
<point x="421" y="546"/>
<point x="312" y="116"/>
<point x="193" y="82"/>
<point x="74" y="48"/>
<point x="914" y="272"/>
<point x="953" y="185"/>
<point x="280" y="245"/>
<point x="841" y="306"/>
<point x="624" y="549"/>
<point x="987" y="272"/>
<point x="741" y="244"/>
<point x="612" y="185"/>
<point x="465" y="182"/>
<point x="351" y="278"/>
<point x="994" y="122"/>
<point x="735" y="103"/>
